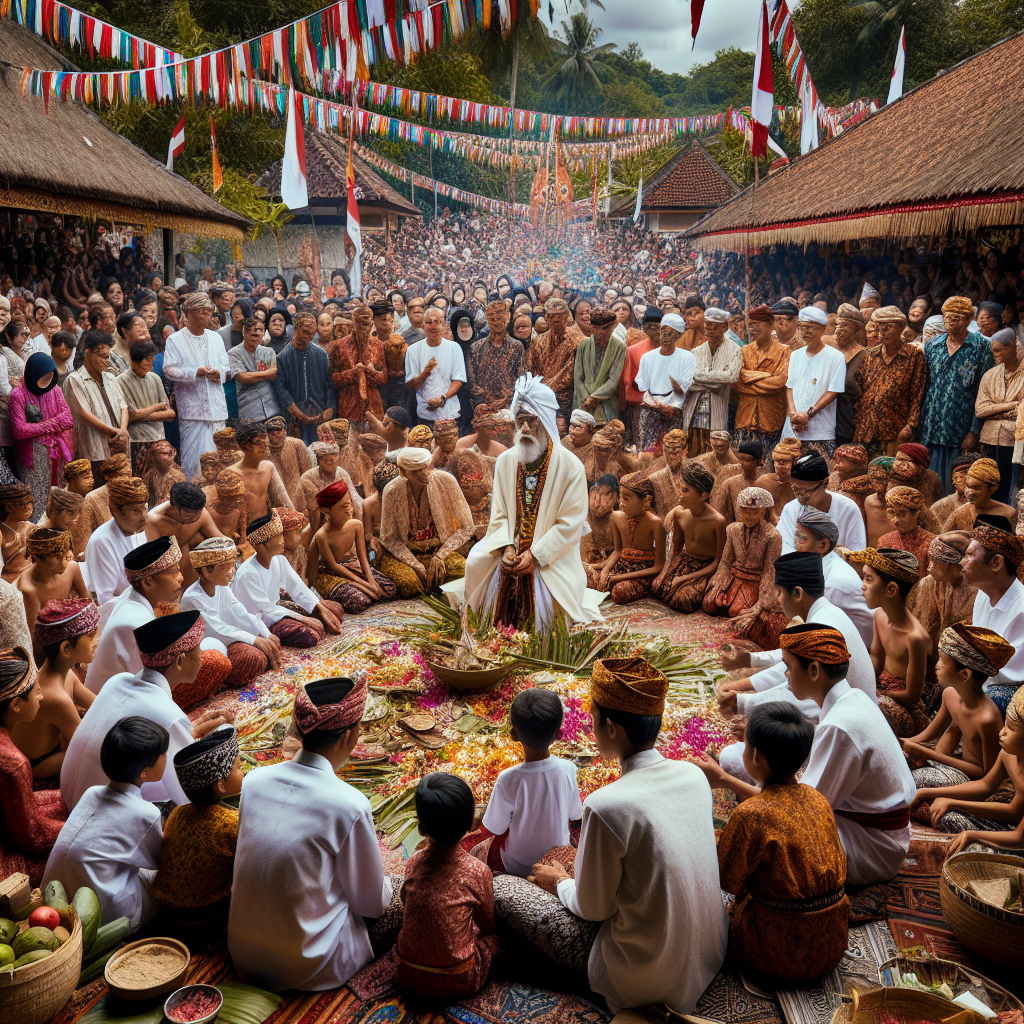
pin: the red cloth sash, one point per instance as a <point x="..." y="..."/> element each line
<point x="886" y="821"/>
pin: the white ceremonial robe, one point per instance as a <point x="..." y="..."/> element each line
<point x="307" y="871"/>
<point x="259" y="589"/>
<point x="845" y="589"/>
<point x="147" y="694"/>
<point x="117" y="650"/>
<point x="111" y="842"/>
<point x="104" y="559"/>
<point x="857" y="764"/>
<point x="843" y="511"/>
<point x="561" y="523"/>
<point x="225" y="617"/>
<point x="648" y="868"/>
<point x="1005" y="617"/>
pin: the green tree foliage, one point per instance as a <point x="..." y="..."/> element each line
<point x="579" y="62"/>
<point x="984" y="22"/>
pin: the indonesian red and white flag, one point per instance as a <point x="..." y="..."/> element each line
<point x="896" y="82"/>
<point x="763" y="94"/>
<point x="177" y="144"/>
<point x="294" y="193"/>
<point x="218" y="174"/>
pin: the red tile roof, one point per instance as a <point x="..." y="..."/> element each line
<point x="689" y="180"/>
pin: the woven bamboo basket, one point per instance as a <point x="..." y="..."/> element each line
<point x="991" y="932"/>
<point x="884" y="1004"/>
<point x="35" y="993"/>
<point x="933" y="970"/>
<point x="470" y="680"/>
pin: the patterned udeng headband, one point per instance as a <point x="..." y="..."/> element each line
<point x="976" y="647"/>
<point x="943" y="552"/>
<point x="184" y="644"/>
<point x="266" y="531"/>
<point x="197" y="772"/>
<point x="79" y="617"/>
<point x="330" y="716"/>
<point x="168" y="560"/>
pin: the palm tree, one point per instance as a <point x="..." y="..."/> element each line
<point x="883" y="13"/>
<point x="575" y="75"/>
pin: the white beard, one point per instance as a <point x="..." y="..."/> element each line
<point x="529" y="448"/>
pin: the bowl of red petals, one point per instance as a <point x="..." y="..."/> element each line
<point x="193" y="1004"/>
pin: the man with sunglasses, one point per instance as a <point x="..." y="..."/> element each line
<point x="810" y="477"/>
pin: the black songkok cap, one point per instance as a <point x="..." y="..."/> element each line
<point x="258" y="523"/>
<point x="146" y="554"/>
<point x="786" y="307"/>
<point x="328" y="691"/>
<point x="800" y="569"/>
<point x="164" y="631"/>
<point x="653" y="314"/>
<point x="752" y="448"/>
<point x="810" y="467"/>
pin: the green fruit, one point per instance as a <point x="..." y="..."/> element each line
<point x="54" y="895"/>
<point x="34" y="904"/>
<point x="6" y="955"/>
<point x="32" y="957"/>
<point x="8" y="929"/>
<point x="33" y="939"/>
<point x="88" y="906"/>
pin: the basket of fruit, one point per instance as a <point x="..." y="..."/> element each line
<point x="40" y="959"/>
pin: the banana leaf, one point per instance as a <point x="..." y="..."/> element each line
<point x="111" y="1010"/>
<point x="244" y="1004"/>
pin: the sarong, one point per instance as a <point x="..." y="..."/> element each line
<point x="684" y="597"/>
<point x="514" y="605"/>
<point x="625" y="591"/>
<point x="652" y="427"/>
<point x="740" y="596"/>
<point x="293" y="633"/>
<point x="349" y="595"/>
<point x="700" y="441"/>
<point x="408" y="583"/>
<point x="452" y="983"/>
<point x="1001" y="695"/>
<point x="905" y="721"/>
<point x="213" y="675"/>
<point x="140" y="451"/>
<point x="247" y="662"/>
<point x="826" y="449"/>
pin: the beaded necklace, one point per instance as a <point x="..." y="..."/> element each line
<point x="530" y="479"/>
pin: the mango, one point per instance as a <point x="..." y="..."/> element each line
<point x="32" y="957"/>
<point x="34" y="939"/>
<point x="6" y="955"/>
<point x="8" y="929"/>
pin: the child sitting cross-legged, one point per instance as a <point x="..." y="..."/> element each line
<point x="447" y="941"/>
<point x="968" y="657"/>
<point x="781" y="856"/>
<point x="112" y="839"/>
<point x="533" y="803"/>
<point x="194" y="881"/>
<point x="972" y="809"/>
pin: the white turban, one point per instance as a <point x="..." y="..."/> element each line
<point x="675" y="321"/>
<point x="811" y="315"/>
<point x="666" y="292"/>
<point x="413" y="458"/>
<point x="715" y="315"/>
<point x="584" y="417"/>
<point x="534" y="398"/>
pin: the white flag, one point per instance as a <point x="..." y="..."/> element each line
<point x="809" y="119"/>
<point x="896" y="83"/>
<point x="639" y="199"/>
<point x="294" y="193"/>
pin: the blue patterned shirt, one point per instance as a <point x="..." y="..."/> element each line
<point x="948" y="409"/>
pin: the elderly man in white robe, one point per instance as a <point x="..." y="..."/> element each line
<point x="307" y="869"/>
<point x="719" y="361"/>
<point x="528" y="568"/>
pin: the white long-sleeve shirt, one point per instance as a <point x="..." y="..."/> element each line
<point x="197" y="398"/>
<point x="224" y="616"/>
<point x="104" y="559"/>
<point x="307" y="871"/>
<point x="843" y="511"/>
<point x="147" y="694"/>
<point x="771" y="684"/>
<point x="845" y="589"/>
<point x="117" y="650"/>
<point x="111" y="843"/>
<point x="857" y="764"/>
<point x="259" y="589"/>
<point x="648" y="868"/>
<point x="1005" y="617"/>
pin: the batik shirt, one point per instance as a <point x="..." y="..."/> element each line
<point x="952" y="386"/>
<point x="493" y="370"/>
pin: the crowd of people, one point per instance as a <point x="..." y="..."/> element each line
<point x="196" y="477"/>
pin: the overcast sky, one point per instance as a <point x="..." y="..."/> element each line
<point x="662" y="28"/>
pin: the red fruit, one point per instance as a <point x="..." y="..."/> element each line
<point x="44" y="917"/>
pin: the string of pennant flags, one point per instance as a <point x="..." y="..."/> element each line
<point x="309" y="53"/>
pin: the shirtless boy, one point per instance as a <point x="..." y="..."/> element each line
<point x="780" y="483"/>
<point x="53" y="574"/>
<point x="185" y="517"/>
<point x="66" y="632"/>
<point x="228" y="509"/>
<point x="263" y="484"/>
<point x="603" y="499"/>
<point x="698" y="539"/>
<point x="638" y="555"/>
<point x="485" y="426"/>
<point x="900" y="646"/>
<point x="337" y="565"/>
<point x="876" y="518"/>
<point x="64" y="512"/>
<point x="967" y="718"/>
<point x="727" y="489"/>
<point x="982" y="482"/>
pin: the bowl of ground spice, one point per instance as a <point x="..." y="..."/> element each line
<point x="147" y="968"/>
<point x="193" y="1004"/>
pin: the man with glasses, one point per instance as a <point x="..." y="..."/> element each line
<point x="956" y="361"/>
<point x="810" y="477"/>
<point x="817" y="376"/>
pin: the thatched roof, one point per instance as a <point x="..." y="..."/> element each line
<point x="326" y="182"/>
<point x="68" y="161"/>
<point x="689" y="180"/>
<point x="946" y="157"/>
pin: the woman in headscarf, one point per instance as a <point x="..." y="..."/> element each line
<point x="458" y="294"/>
<point x="113" y="294"/>
<point x="41" y="423"/>
<point x="279" y="329"/>
<point x="520" y="327"/>
<point x="504" y="285"/>
<point x="464" y="333"/>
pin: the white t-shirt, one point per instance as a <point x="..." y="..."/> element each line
<point x="450" y="366"/>
<point x="809" y="378"/>
<point x="655" y="371"/>
<point x="534" y="802"/>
